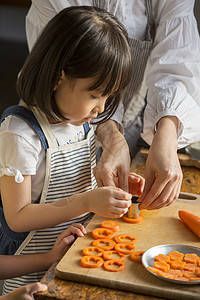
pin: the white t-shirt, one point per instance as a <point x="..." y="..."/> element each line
<point x="174" y="75"/>
<point x="21" y="151"/>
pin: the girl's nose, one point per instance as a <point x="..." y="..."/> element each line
<point x="101" y="105"/>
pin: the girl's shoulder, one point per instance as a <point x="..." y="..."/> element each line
<point x="16" y="126"/>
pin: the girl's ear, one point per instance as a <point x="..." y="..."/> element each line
<point x="62" y="76"/>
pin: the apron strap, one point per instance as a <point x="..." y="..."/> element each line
<point x="27" y="115"/>
<point x="150" y="21"/>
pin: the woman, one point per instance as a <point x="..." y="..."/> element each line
<point x="168" y="36"/>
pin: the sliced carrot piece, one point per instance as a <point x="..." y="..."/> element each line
<point x="110" y="224"/>
<point x="105" y="244"/>
<point x="91" y="261"/>
<point x="190" y="267"/>
<point x="112" y="254"/>
<point x="197" y="272"/>
<point x="162" y="265"/>
<point x="125" y="238"/>
<point x="162" y="257"/>
<point x="181" y="278"/>
<point x="176" y="273"/>
<point x="190" y="220"/>
<point x="191" y="258"/>
<point x="125" y="248"/>
<point x="91" y="250"/>
<point x="177" y="264"/>
<point x="154" y="270"/>
<point x="113" y="265"/>
<point x="175" y="255"/>
<point x="132" y="220"/>
<point x="189" y="274"/>
<point x="136" y="256"/>
<point x="102" y="233"/>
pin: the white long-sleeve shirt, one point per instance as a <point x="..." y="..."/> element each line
<point x="173" y="79"/>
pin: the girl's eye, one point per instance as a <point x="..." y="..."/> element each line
<point x="94" y="97"/>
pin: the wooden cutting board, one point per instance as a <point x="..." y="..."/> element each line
<point x="159" y="227"/>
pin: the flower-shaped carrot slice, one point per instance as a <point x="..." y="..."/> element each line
<point x="137" y="256"/>
<point x="105" y="244"/>
<point x="161" y="265"/>
<point x="125" y="248"/>
<point x="162" y="257"/>
<point x="125" y="238"/>
<point x="189" y="275"/>
<point x="91" y="261"/>
<point x="102" y="233"/>
<point x="191" y="258"/>
<point x="91" y="250"/>
<point x="197" y="272"/>
<point x="190" y="267"/>
<point x="177" y="264"/>
<point x="113" y="265"/>
<point x="125" y="218"/>
<point x="175" y="255"/>
<point x="112" y="254"/>
<point x="110" y="224"/>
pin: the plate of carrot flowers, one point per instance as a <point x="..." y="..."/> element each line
<point x="174" y="263"/>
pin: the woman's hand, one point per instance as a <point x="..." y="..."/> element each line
<point x="109" y="202"/>
<point x="163" y="174"/>
<point x="114" y="164"/>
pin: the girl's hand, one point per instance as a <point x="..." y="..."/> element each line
<point x="135" y="184"/>
<point x="110" y="202"/>
<point x="64" y="240"/>
<point x="25" y="292"/>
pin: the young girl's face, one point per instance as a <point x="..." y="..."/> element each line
<point x="76" y="102"/>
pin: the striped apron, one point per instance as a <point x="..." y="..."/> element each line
<point x="69" y="170"/>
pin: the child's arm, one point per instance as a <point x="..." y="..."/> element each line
<point x="25" y="292"/>
<point x="23" y="216"/>
<point x="17" y="265"/>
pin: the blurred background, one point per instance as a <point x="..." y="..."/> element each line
<point x="13" y="46"/>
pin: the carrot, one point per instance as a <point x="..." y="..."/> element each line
<point x="191" y="220"/>
<point x="191" y="258"/>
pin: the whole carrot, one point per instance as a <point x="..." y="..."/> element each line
<point x="191" y="220"/>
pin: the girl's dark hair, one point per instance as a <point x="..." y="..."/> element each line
<point x="85" y="42"/>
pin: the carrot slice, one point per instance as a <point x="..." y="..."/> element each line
<point x="124" y="238"/>
<point x="197" y="272"/>
<point x="112" y="254"/>
<point x="175" y="255"/>
<point x="161" y="265"/>
<point x="133" y="220"/>
<point x="191" y="258"/>
<point x="177" y="264"/>
<point x="190" y="267"/>
<point x="176" y="273"/>
<point x="105" y="244"/>
<point x="118" y="265"/>
<point x="91" y="261"/>
<point x="110" y="224"/>
<point x="189" y="274"/>
<point x="162" y="257"/>
<point x="154" y="270"/>
<point x="125" y="248"/>
<point x="92" y="250"/>
<point x="181" y="278"/>
<point x="190" y="220"/>
<point x="102" y="233"/>
<point x="137" y="256"/>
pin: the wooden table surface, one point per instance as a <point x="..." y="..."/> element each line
<point x="61" y="289"/>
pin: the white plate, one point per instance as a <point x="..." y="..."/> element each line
<point x="149" y="255"/>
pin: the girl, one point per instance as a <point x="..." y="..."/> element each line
<point x="79" y="64"/>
